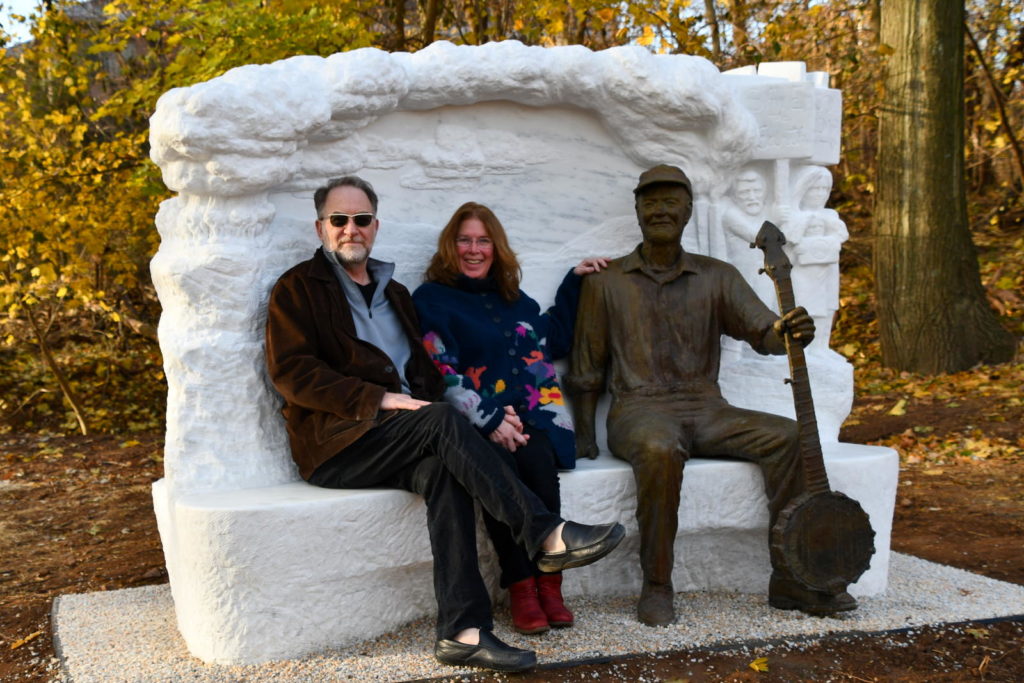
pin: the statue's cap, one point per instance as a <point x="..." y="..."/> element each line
<point x="663" y="174"/>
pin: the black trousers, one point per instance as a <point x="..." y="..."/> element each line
<point x="436" y="453"/>
<point x="535" y="465"/>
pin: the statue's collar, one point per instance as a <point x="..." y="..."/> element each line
<point x="635" y="261"/>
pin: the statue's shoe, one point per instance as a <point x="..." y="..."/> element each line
<point x="790" y="594"/>
<point x="655" y="607"/>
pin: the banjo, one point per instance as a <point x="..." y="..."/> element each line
<point x="824" y="536"/>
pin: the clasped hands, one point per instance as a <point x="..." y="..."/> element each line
<point x="509" y="432"/>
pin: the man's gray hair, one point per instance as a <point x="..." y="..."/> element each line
<point x="320" y="196"/>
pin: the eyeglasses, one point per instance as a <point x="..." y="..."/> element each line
<point x="480" y="242"/>
<point x="340" y="220"/>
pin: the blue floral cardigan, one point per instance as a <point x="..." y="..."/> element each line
<point x="494" y="353"/>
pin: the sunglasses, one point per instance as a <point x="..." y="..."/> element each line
<point x="340" y="220"/>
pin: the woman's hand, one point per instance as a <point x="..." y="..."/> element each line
<point x="512" y="417"/>
<point x="509" y="433"/>
<point x="590" y="265"/>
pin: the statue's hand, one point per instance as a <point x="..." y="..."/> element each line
<point x="798" y="324"/>
<point x="784" y="213"/>
<point x="587" y="448"/>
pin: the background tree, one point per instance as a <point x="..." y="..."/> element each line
<point x="78" y="191"/>
<point x="932" y="310"/>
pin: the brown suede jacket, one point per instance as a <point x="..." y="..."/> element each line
<point x="332" y="381"/>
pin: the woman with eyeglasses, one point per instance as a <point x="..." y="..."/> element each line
<point x="494" y="347"/>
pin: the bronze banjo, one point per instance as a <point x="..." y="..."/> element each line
<point x="824" y="536"/>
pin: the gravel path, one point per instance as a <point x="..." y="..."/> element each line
<point x="130" y="635"/>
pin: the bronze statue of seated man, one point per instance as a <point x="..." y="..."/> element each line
<point x="650" y="326"/>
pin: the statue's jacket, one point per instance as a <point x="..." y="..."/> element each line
<point x="657" y="333"/>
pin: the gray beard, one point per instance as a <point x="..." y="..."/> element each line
<point x="352" y="254"/>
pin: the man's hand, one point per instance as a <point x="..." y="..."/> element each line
<point x="401" y="402"/>
<point x="798" y="324"/>
<point x="590" y="265"/>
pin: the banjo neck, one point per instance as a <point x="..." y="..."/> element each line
<point x="778" y="267"/>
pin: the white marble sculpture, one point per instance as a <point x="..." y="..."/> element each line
<point x="264" y="566"/>
<point x="814" y="238"/>
<point x="744" y="212"/>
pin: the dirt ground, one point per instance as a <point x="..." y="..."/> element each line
<point x="76" y="516"/>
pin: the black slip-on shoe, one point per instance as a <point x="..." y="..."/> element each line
<point x="491" y="654"/>
<point x="584" y="543"/>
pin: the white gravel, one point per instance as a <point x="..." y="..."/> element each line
<point x="130" y="635"/>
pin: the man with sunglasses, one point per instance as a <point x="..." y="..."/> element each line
<point x="363" y="407"/>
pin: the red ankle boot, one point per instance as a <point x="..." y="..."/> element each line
<point x="527" y="616"/>
<point x="549" y="588"/>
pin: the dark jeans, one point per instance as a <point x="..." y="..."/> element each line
<point x="535" y="465"/>
<point x="436" y="453"/>
<point x="658" y="435"/>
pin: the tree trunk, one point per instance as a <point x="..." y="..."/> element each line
<point x="999" y="99"/>
<point x="738" y="12"/>
<point x="399" y="27"/>
<point x="51" y="363"/>
<point x="711" y="18"/>
<point x="430" y="21"/>
<point x="933" y="314"/>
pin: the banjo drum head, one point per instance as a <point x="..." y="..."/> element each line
<point x="825" y="539"/>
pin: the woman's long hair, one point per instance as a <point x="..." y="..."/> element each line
<point x="505" y="270"/>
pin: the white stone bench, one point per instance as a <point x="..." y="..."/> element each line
<point x="264" y="566"/>
<point x="343" y="584"/>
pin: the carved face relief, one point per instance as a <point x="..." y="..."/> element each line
<point x="816" y="195"/>
<point x="749" y="191"/>
<point x="663" y="211"/>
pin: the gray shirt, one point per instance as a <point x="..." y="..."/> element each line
<point x="377" y="323"/>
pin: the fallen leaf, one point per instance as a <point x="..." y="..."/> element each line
<point x="933" y="471"/>
<point x="30" y="637"/>
<point x="899" y="409"/>
<point x="978" y="632"/>
<point x="759" y="664"/>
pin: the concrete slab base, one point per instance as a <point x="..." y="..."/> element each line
<point x="130" y="635"/>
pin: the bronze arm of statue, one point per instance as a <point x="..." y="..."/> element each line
<point x="584" y="411"/>
<point x="796" y="322"/>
